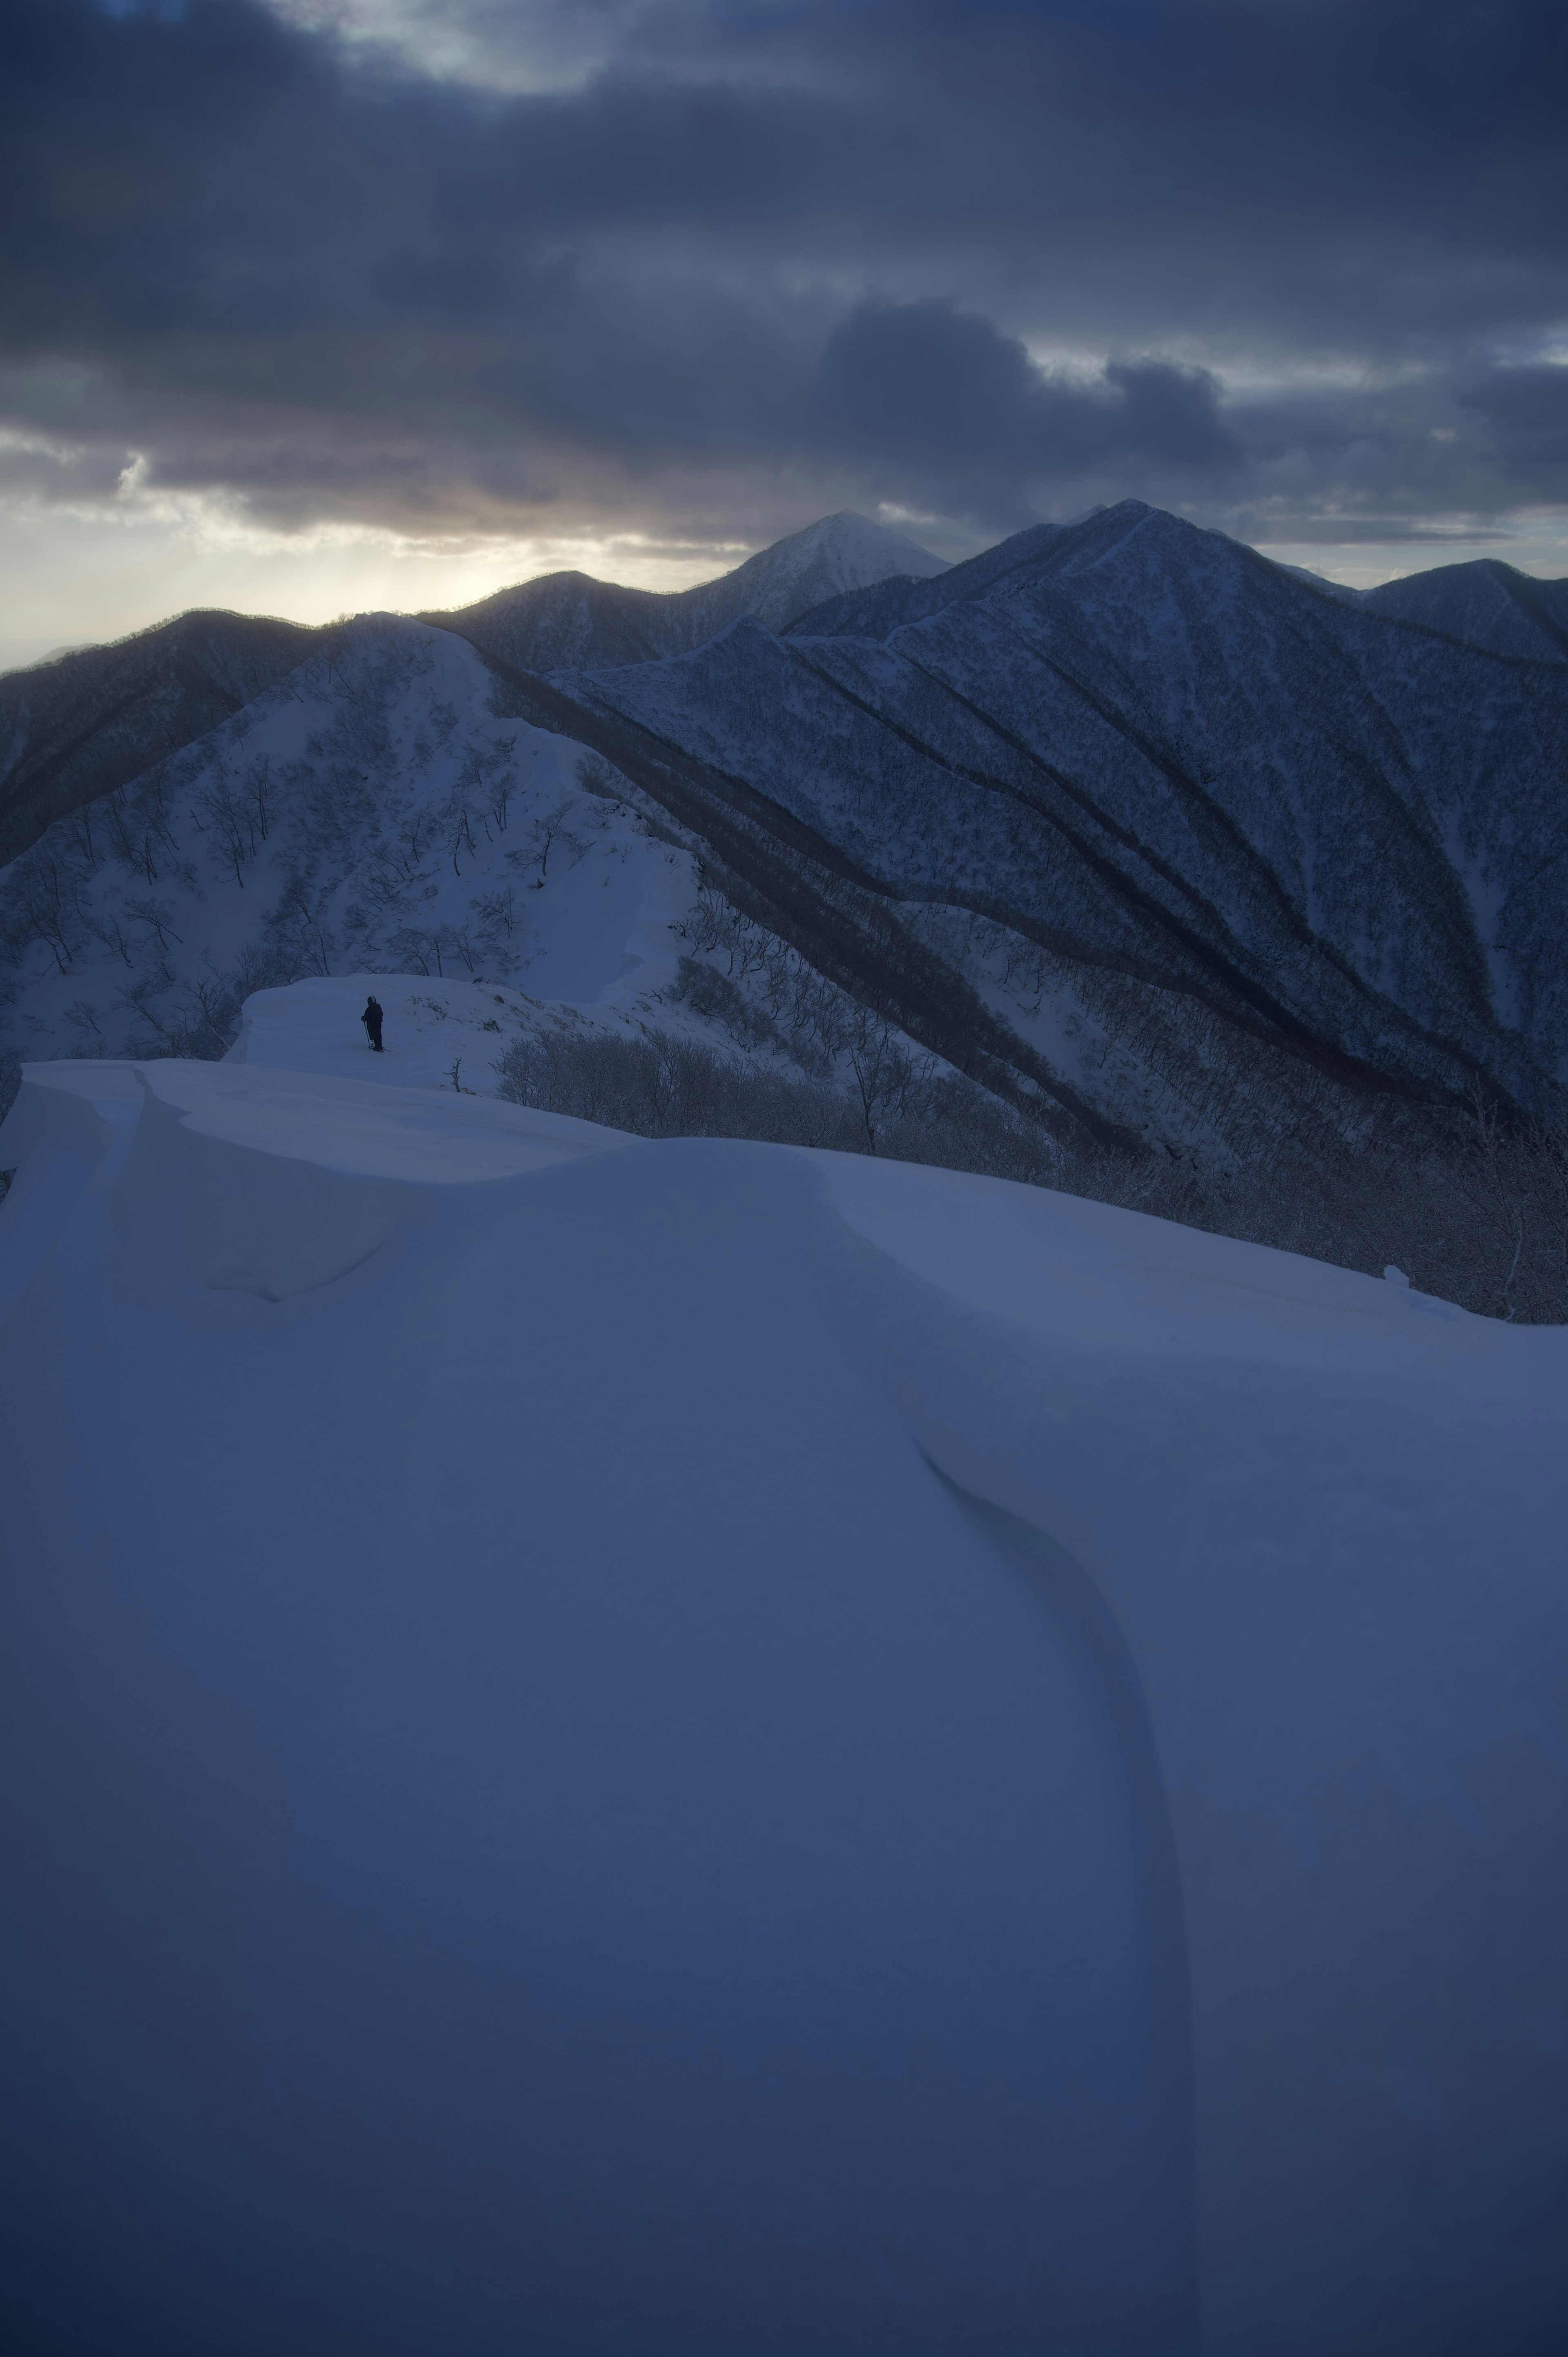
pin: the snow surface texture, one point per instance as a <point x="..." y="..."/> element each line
<point x="703" y="1747"/>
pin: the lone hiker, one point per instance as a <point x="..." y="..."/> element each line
<point x="372" y="1019"/>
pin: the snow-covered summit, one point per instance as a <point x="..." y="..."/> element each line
<point x="566" y="620"/>
<point x="838" y="553"/>
<point x="1203" y="783"/>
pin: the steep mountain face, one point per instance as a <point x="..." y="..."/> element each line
<point x="1129" y="813"/>
<point x="877" y="608"/>
<point x="91" y="721"/>
<point x="566" y="619"/>
<point x="1487" y="604"/>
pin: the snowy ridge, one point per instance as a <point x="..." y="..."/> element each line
<point x="368" y="814"/>
<point x="438" y="1035"/>
<point x="92" y="718"/>
<point x="1485" y="603"/>
<point x="725" y="1747"/>
<point x="87" y="721"/>
<point x="568" y="619"/>
<point x="840" y="553"/>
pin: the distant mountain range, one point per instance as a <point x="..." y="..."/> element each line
<point x="1487" y="604"/>
<point x="1135" y="827"/>
<point x="568" y="618"/>
<point x="94" y="718"/>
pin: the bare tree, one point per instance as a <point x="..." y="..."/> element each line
<point x="496" y="911"/>
<point x="258" y="791"/>
<point x="228" y="816"/>
<point x="884" y="1073"/>
<point x="111" y="933"/>
<point x="551" y="829"/>
<point x="43" y="895"/>
<point x="500" y="779"/>
<point x="157" y="916"/>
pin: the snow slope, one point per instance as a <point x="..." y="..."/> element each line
<point x="618" y="1747"/>
<point x="368" y="813"/>
<point x="838" y="553"/>
<point x="436" y="1035"/>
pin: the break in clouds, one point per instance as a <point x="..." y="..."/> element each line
<point x="1292" y="267"/>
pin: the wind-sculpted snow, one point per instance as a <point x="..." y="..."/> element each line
<point x="1185" y="792"/>
<point x="616" y="1745"/>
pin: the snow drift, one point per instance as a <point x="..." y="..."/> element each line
<point x="703" y="1746"/>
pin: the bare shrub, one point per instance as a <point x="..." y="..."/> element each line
<point x="662" y="1087"/>
<point x="1469" y="1210"/>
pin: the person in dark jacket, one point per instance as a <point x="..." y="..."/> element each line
<point x="372" y="1019"/>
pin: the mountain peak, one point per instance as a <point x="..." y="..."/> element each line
<point x="563" y="621"/>
<point x="837" y="552"/>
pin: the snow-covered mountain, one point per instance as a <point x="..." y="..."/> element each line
<point x="370" y="812"/>
<point x="1485" y="603"/>
<point x="619" y="1747"/>
<point x="718" y="1746"/>
<point x="1151" y="838"/>
<point x="1127" y="810"/>
<point x="568" y="619"/>
<point x="91" y="720"/>
<point x="839" y="552"/>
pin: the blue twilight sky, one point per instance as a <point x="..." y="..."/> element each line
<point x="315" y="305"/>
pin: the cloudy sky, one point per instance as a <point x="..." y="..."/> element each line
<point x="308" y="305"/>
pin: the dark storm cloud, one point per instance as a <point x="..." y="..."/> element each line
<point x="1527" y="410"/>
<point x="802" y="238"/>
<point x="939" y="402"/>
